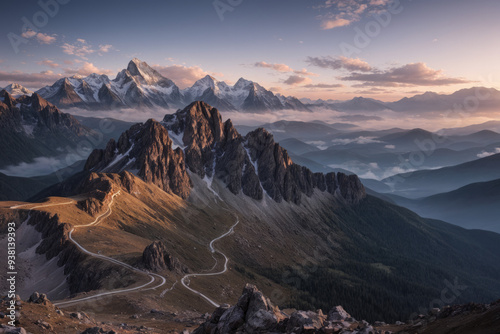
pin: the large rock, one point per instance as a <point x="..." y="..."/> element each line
<point x="156" y="257"/>
<point x="4" y="329"/>
<point x="338" y="314"/>
<point x="253" y="313"/>
<point x="306" y="321"/>
<point x="39" y="298"/>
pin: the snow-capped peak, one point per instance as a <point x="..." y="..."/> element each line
<point x="16" y="90"/>
<point x="144" y="72"/>
<point x="243" y="83"/>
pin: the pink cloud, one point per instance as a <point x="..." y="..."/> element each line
<point x="105" y="48"/>
<point x="183" y="76"/>
<point x="48" y="63"/>
<point x="32" y="80"/>
<point x="283" y="68"/>
<point x="80" y="49"/>
<point x="87" y="69"/>
<point x="45" y="39"/>
<point x="41" y="37"/>
<point x="335" y="23"/>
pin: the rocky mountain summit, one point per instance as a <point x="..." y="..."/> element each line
<point x="140" y="85"/>
<point x="31" y="127"/>
<point x="196" y="139"/>
<point x="145" y="150"/>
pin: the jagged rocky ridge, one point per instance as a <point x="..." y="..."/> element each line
<point x="139" y="85"/>
<point x="254" y="165"/>
<point x="145" y="150"/>
<point x="32" y="127"/>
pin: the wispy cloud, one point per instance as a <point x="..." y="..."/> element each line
<point x="86" y="69"/>
<point x="415" y="74"/>
<point x="337" y="63"/>
<point x="294" y="80"/>
<point x="324" y="85"/>
<point x="360" y="118"/>
<point x="40" y="37"/>
<point x="105" y="48"/>
<point x="485" y="154"/>
<point x="284" y="68"/>
<point x="184" y="76"/>
<point x="359" y="140"/>
<point x="48" y="63"/>
<point x="82" y="48"/>
<point x="341" y="13"/>
<point x="31" y="80"/>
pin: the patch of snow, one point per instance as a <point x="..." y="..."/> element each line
<point x="119" y="157"/>
<point x="209" y="181"/>
<point x="28" y="129"/>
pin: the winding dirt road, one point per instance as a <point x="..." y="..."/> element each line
<point x="153" y="276"/>
<point x="213" y="250"/>
<point x="96" y="222"/>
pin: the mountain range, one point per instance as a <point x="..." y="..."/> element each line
<point x="139" y="85"/>
<point x="468" y="100"/>
<point x="31" y="127"/>
<point x="164" y="192"/>
<point x="474" y="206"/>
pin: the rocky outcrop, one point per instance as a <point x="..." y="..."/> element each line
<point x="254" y="313"/>
<point x="157" y="258"/>
<point x="146" y="150"/>
<point x="39" y="298"/>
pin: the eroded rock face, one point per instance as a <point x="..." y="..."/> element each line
<point x="157" y="258"/>
<point x="201" y="128"/>
<point x="253" y="164"/>
<point x="146" y="150"/>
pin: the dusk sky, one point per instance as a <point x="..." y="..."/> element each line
<point x="294" y="47"/>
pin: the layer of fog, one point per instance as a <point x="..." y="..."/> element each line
<point x="376" y="120"/>
<point x="43" y="165"/>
